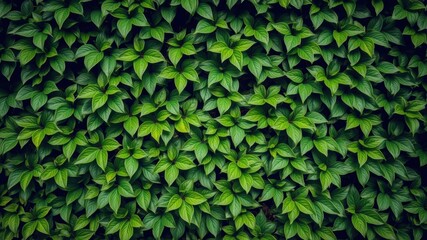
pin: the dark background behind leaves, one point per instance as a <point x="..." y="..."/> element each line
<point x="213" y="119"/>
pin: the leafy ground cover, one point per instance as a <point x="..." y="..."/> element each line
<point x="199" y="119"/>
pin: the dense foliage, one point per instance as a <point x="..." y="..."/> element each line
<point x="251" y="119"/>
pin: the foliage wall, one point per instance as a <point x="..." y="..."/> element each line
<point x="200" y="119"/>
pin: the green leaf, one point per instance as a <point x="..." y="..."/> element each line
<point x="288" y="205"/>
<point x="62" y="178"/>
<point x="174" y="55"/>
<point x="285" y="151"/>
<point x="237" y="59"/>
<point x="128" y="55"/>
<point x="393" y="148"/>
<point x="124" y="26"/>
<point x="233" y="171"/>
<point x="190" y="5"/>
<point x="108" y="65"/>
<point x="352" y="122"/>
<point x="325" y="179"/>
<point x="205" y="11"/>
<point x="299" y="164"/>
<point x="304" y="91"/>
<point x="63" y="113"/>
<point x="359" y="224"/>
<point x="102" y="159"/>
<point x="281" y="123"/>
<point x="303" y="123"/>
<point x="201" y="151"/>
<point x="114" y="200"/>
<point x="322" y="146"/>
<point x="386" y="67"/>
<point x="131" y="125"/>
<point x="26" y="55"/>
<point x="171" y="174"/>
<point x="246" y="181"/>
<point x="214" y="142"/>
<point x="29" y="229"/>
<point x="399" y="13"/>
<point x="184" y="163"/>
<point x="305" y="206"/>
<point x="61" y="15"/>
<point x="140" y="66"/>
<point x="153" y="56"/>
<point x="26" y="179"/>
<point x="180" y="83"/>
<point x="58" y="65"/>
<point x="125" y="189"/>
<point x="144" y="199"/>
<point x="226" y="198"/>
<point x="25" y="92"/>
<point x="243" y="45"/>
<point x="223" y="105"/>
<point x="131" y="166"/>
<point x="262" y="35"/>
<point x="371" y="217"/>
<point x="340" y="37"/>
<point x="291" y="42"/>
<point x="158" y="33"/>
<point x="136" y="222"/>
<point x="110" y="144"/>
<point x="43" y="226"/>
<point x="362" y="157"/>
<point x="186" y="212"/>
<point x="419" y="39"/>
<point x="194" y="198"/>
<point x="237" y="135"/>
<point x="99" y="100"/>
<point x="385" y="231"/>
<point x="218" y="47"/>
<point x="294" y="133"/>
<point x="367" y="45"/>
<point x="89" y="91"/>
<point x="38" y="100"/>
<point x="306" y="53"/>
<point x="249" y="220"/>
<point x="212" y="225"/>
<point x="92" y="59"/>
<point x="126" y="231"/>
<point x="38" y="137"/>
<point x="205" y="27"/>
<point x="255" y="68"/>
<point x="87" y="155"/>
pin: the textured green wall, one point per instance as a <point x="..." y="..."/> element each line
<point x="199" y="119"/>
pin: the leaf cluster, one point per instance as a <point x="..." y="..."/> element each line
<point x="210" y="119"/>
